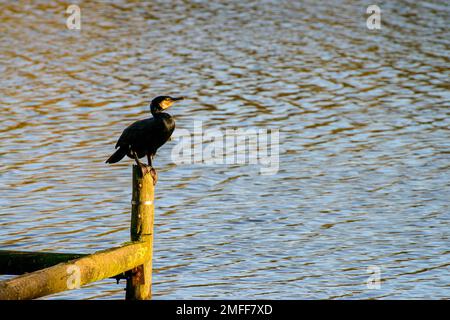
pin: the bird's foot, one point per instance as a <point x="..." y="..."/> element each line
<point x="154" y="175"/>
<point x="145" y="169"/>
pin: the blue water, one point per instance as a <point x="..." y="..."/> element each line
<point x="364" y="143"/>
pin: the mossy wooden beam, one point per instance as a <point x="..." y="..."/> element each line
<point x="75" y="273"/>
<point x="139" y="284"/>
<point x="20" y="262"/>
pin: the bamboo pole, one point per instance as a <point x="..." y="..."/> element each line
<point x="139" y="284"/>
<point x="75" y="273"/>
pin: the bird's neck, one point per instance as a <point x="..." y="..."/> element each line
<point x="160" y="115"/>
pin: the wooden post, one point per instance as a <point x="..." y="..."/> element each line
<point x="139" y="284"/>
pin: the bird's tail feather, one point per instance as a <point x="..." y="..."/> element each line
<point x="117" y="156"/>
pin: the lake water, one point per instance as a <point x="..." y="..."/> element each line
<point x="363" y="180"/>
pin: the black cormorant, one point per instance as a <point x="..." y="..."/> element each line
<point x="144" y="137"/>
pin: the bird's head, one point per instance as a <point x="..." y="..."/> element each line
<point x="161" y="103"/>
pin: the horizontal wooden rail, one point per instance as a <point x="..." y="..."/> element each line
<point x="20" y="262"/>
<point x="75" y="273"/>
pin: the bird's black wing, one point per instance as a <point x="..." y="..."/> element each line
<point x="134" y="133"/>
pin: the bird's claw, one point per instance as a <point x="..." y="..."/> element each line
<point x="154" y="175"/>
<point x="145" y="169"/>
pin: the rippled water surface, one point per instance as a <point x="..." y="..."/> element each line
<point x="364" y="142"/>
